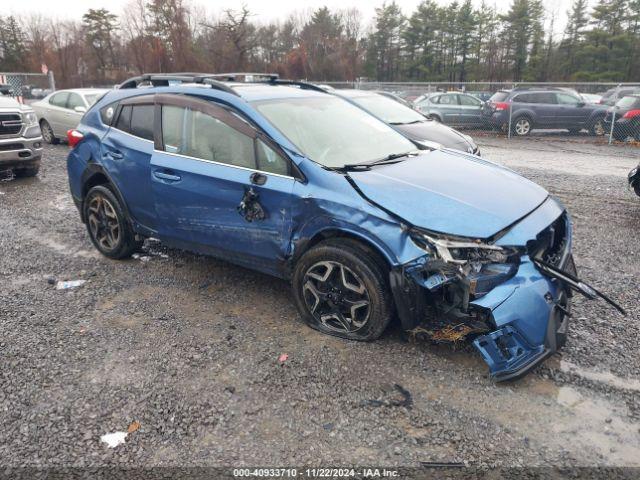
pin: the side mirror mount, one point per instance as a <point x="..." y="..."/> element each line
<point x="80" y="109"/>
<point x="581" y="104"/>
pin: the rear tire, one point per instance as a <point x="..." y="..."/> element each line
<point x="47" y="133"/>
<point x="26" y="172"/>
<point x="521" y="126"/>
<point x="342" y="289"/>
<point x="597" y="127"/>
<point x="107" y="223"/>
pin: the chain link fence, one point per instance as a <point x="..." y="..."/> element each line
<point x="599" y="112"/>
<point x="27" y="87"/>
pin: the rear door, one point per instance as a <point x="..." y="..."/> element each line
<point x="56" y="113"/>
<point x="545" y="108"/>
<point x="72" y="117"/>
<point x="219" y="185"/>
<point x="126" y="154"/>
<point x="470" y="110"/>
<point x="449" y="108"/>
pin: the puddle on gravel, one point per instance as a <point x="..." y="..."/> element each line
<point x="593" y="423"/>
<point x="598" y="376"/>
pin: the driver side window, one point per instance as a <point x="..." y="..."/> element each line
<point x="566" y="99"/>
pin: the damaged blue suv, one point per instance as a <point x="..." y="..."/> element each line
<point x="281" y="177"/>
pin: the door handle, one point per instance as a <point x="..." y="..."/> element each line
<point x="258" y="178"/>
<point x="169" y="177"/>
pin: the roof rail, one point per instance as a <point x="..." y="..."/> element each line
<point x="304" y="85"/>
<point x="164" y="79"/>
<point x="214" y="80"/>
<point x="233" y="77"/>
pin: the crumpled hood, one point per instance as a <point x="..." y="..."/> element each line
<point x="436" y="132"/>
<point x="451" y="193"/>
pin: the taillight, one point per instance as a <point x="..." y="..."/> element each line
<point x="500" y="106"/>
<point x="74" y="137"/>
<point x="631" y="114"/>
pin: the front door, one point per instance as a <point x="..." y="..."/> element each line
<point x="572" y="111"/>
<point x="218" y="186"/>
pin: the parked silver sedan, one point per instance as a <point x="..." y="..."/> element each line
<point x="452" y="108"/>
<point x="62" y="110"/>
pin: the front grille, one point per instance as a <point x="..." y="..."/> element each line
<point x="550" y="244"/>
<point x="11" y="146"/>
<point x="10" y="124"/>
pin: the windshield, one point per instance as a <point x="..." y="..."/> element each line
<point x="388" y="110"/>
<point x="627" y="102"/>
<point x="331" y="131"/>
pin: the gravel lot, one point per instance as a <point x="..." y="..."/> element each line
<point x="189" y="346"/>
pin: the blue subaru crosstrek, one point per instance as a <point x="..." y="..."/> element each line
<point x="284" y="178"/>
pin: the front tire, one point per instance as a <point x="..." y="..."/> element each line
<point x="47" y="133"/>
<point x="341" y="289"/>
<point x="107" y="224"/>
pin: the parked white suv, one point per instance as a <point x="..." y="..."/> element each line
<point x="20" y="137"/>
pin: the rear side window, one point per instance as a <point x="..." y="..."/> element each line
<point x="499" y="97"/>
<point x="523" y="98"/>
<point x="449" y="100"/>
<point x="74" y="101"/>
<point x="59" y="99"/>
<point x="469" y="101"/>
<point x="142" y="121"/>
<point x="124" y="119"/>
<point x="543" y="97"/>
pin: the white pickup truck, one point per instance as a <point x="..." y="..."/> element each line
<point x="20" y="137"/>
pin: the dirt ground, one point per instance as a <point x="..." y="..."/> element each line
<point x="189" y="346"/>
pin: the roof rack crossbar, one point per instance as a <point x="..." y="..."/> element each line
<point x="163" y="79"/>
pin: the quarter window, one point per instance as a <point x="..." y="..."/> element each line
<point x="269" y="160"/>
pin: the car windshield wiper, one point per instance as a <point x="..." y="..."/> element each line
<point x="388" y="160"/>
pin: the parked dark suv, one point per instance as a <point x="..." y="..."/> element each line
<point x="542" y="108"/>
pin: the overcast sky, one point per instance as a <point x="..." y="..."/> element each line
<point x="263" y="9"/>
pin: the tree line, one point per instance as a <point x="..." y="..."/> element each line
<point x="455" y="42"/>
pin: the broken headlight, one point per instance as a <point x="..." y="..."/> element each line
<point x="460" y="251"/>
<point x="481" y="265"/>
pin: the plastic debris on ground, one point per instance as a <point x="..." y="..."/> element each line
<point x="65" y="285"/>
<point x="118" y="438"/>
<point x="283" y="357"/>
<point x="142" y="258"/>
<point x="114" y="439"/>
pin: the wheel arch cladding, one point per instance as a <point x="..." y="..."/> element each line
<point x="360" y="241"/>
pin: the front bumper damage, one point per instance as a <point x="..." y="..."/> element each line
<point x="516" y="315"/>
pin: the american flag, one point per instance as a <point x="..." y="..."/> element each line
<point x="15" y="82"/>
